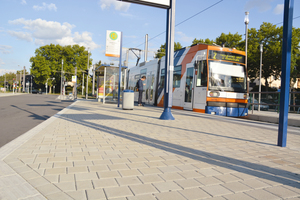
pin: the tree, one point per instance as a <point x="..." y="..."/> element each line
<point x="47" y="63"/>
<point x="162" y="50"/>
<point x="206" y="41"/>
<point x="231" y="41"/>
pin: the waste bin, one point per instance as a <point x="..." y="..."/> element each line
<point x="128" y="100"/>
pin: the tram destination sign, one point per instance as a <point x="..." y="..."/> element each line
<point x="155" y="3"/>
<point x="221" y="55"/>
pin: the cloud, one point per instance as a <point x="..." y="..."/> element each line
<point x="5" y="49"/>
<point x="278" y="9"/>
<point x="45" y="6"/>
<point x="45" y="32"/>
<point x="23" y="2"/>
<point x="1" y="63"/>
<point x="21" y="35"/>
<point x="261" y="5"/>
<point x="183" y="37"/>
<point x="106" y="4"/>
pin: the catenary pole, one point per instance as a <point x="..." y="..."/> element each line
<point x="169" y="58"/>
<point x="285" y="72"/>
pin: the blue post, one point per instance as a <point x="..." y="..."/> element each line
<point x="169" y="60"/>
<point x="120" y="67"/>
<point x="285" y="72"/>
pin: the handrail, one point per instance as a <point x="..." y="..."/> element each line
<point x="275" y="104"/>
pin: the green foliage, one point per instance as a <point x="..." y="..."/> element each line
<point x="47" y="63"/>
<point x="206" y="41"/>
<point x="162" y="50"/>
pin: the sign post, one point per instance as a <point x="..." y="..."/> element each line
<point x="114" y="49"/>
<point x="169" y="59"/>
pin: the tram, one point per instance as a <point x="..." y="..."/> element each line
<point x="206" y="79"/>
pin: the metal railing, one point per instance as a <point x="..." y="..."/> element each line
<point x="270" y="101"/>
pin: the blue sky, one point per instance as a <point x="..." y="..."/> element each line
<point x="25" y="25"/>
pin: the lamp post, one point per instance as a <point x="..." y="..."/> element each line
<point x="260" y="66"/>
<point x="31" y="83"/>
<point x="246" y="20"/>
<point x="87" y="76"/>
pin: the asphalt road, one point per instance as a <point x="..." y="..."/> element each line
<point x="20" y="113"/>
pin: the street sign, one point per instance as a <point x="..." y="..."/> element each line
<point x="74" y="79"/>
<point x="155" y="3"/>
<point x="113" y="42"/>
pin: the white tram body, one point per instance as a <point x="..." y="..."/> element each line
<point x="207" y="79"/>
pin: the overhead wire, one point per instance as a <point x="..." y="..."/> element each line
<point x="184" y="20"/>
<point x="282" y="22"/>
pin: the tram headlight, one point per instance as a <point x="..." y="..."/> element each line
<point x="214" y="94"/>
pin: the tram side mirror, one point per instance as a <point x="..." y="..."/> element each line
<point x="196" y="64"/>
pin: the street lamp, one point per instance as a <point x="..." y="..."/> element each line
<point x="47" y="83"/>
<point x="260" y="66"/>
<point x="31" y="83"/>
<point x="246" y="20"/>
<point x="87" y="76"/>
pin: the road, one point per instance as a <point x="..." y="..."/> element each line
<point x="20" y="113"/>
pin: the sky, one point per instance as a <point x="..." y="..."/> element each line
<point x="25" y="25"/>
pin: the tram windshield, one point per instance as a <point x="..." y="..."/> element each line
<point x="227" y="77"/>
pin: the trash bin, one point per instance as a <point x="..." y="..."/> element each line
<point x="128" y="100"/>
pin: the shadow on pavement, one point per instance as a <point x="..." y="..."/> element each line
<point x="260" y="171"/>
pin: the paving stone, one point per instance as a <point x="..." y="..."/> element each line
<point x="188" y="183"/>
<point x="238" y="196"/>
<point x="48" y="189"/>
<point x="109" y="174"/>
<point x="190" y="174"/>
<point x="143" y="189"/>
<point x="169" y="169"/>
<point x="227" y="178"/>
<point x="130" y="172"/>
<point x="104" y="183"/>
<point x="98" y="168"/>
<point x="55" y="171"/>
<point x="147" y="171"/>
<point x="117" y="192"/>
<point x="118" y="167"/>
<point x="128" y="181"/>
<point x="155" y="164"/>
<point x="166" y="186"/>
<point x="66" y="186"/>
<point x="171" y="176"/>
<point x="86" y="176"/>
<point x="255" y="184"/>
<point x="59" y="196"/>
<point x="237" y="187"/>
<point x="150" y="178"/>
<point x="194" y="193"/>
<point x="52" y="178"/>
<point x="142" y="197"/>
<point x="137" y="165"/>
<point x="38" y="181"/>
<point x="216" y="190"/>
<point x="84" y="185"/>
<point x="282" y="192"/>
<point x="75" y="170"/>
<point x="66" y="178"/>
<point x="169" y="195"/>
<point x="261" y="194"/>
<point x="95" y="194"/>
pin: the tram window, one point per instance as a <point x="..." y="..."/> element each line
<point x="202" y="74"/>
<point x="143" y="72"/>
<point x="162" y="78"/>
<point x="176" y="76"/>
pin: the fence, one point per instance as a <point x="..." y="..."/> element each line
<point x="270" y="101"/>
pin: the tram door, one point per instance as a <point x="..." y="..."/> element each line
<point x="188" y="93"/>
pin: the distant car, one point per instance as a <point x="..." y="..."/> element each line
<point x="262" y="107"/>
<point x="34" y="91"/>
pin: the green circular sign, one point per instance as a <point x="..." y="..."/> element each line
<point x="113" y="35"/>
